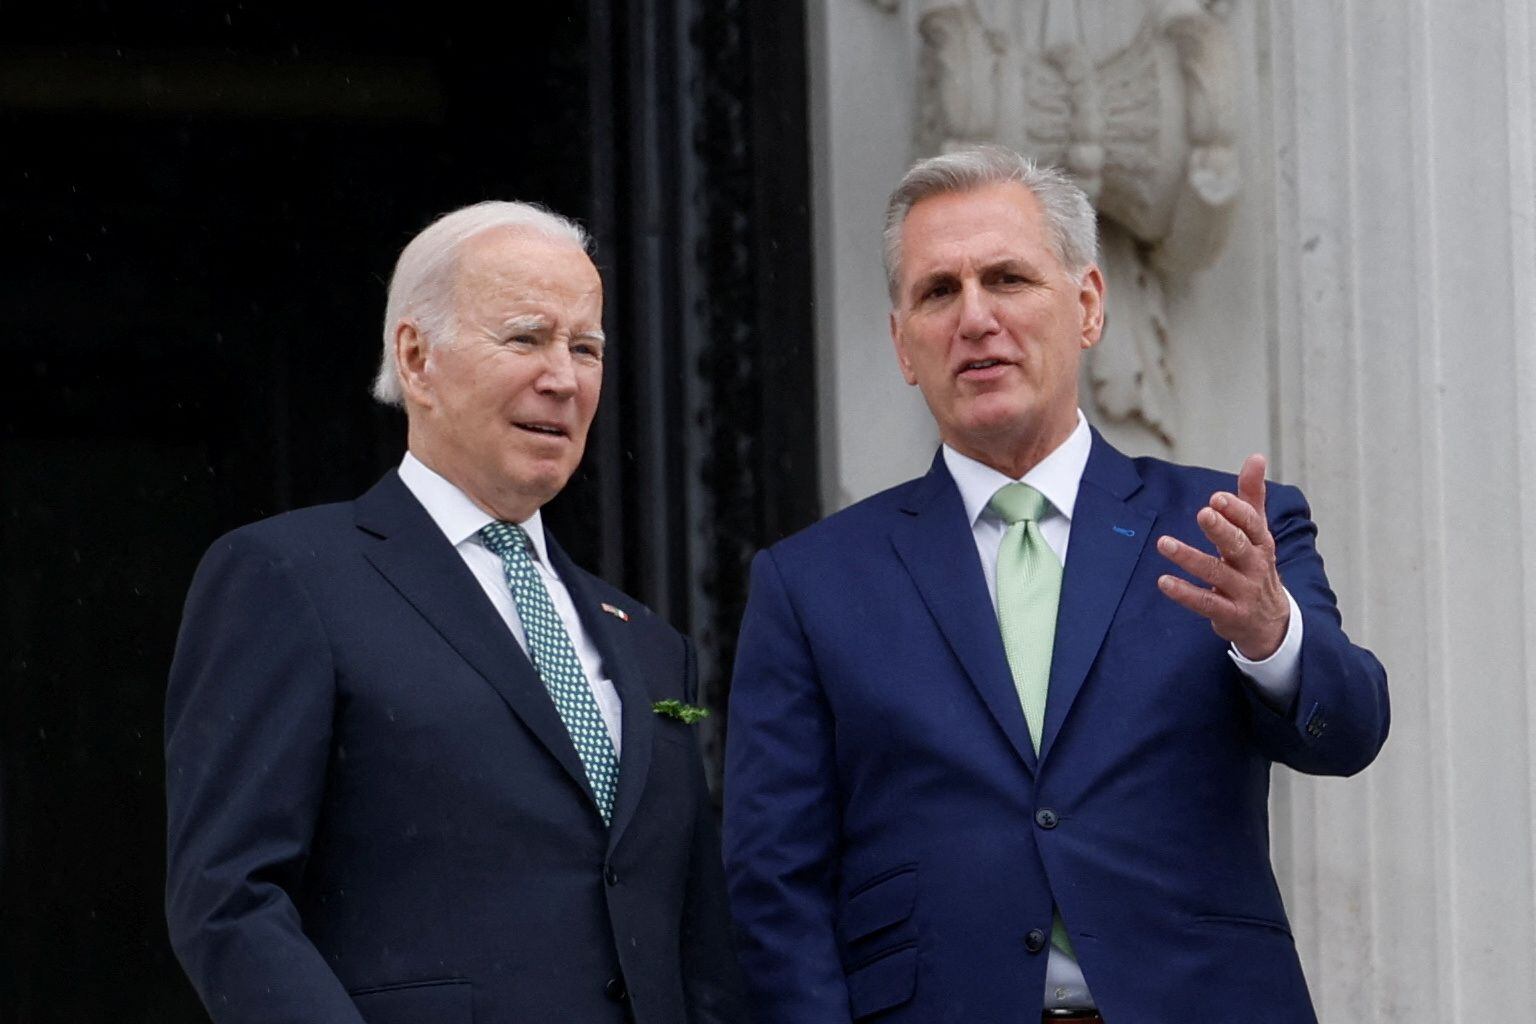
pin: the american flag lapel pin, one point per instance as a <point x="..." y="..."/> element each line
<point x="618" y="613"/>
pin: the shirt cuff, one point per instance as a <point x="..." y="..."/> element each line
<point x="1278" y="677"/>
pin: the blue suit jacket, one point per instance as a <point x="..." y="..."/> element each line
<point x="376" y="814"/>
<point x="887" y="846"/>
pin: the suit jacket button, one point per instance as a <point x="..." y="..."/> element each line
<point x="610" y="876"/>
<point x="615" y="990"/>
<point x="1035" y="940"/>
<point x="1046" y="818"/>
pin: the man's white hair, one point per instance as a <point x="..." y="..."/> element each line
<point x="1074" y="226"/>
<point x="421" y="288"/>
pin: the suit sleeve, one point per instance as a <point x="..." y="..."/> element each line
<point x="1339" y="719"/>
<point x="782" y="815"/>
<point x="248" y="726"/>
<point x="711" y="975"/>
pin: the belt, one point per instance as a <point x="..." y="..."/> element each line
<point x="1080" y="1016"/>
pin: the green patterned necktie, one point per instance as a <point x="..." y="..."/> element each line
<point x="1028" y="591"/>
<point x="1028" y="588"/>
<point x="549" y="647"/>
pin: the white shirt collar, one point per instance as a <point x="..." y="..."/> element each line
<point x="1056" y="476"/>
<point x="450" y="508"/>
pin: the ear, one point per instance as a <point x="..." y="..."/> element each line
<point x="1091" y="297"/>
<point x="901" y="351"/>
<point x="413" y="364"/>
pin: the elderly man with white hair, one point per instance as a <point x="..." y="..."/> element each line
<point x="420" y="766"/>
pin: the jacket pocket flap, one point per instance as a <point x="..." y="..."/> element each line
<point x="1245" y="921"/>
<point x="880" y="905"/>
<point x="884" y="982"/>
<point x="448" y="1001"/>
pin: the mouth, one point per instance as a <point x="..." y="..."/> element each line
<point x="982" y="369"/>
<point x="544" y="429"/>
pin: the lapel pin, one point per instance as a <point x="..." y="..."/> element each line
<point x="688" y="714"/>
<point x="1125" y="531"/>
<point x="618" y="613"/>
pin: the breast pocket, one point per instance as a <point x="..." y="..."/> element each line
<point x="446" y="1001"/>
<point x="879" y="941"/>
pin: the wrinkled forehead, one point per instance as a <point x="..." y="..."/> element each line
<point x="520" y="263"/>
<point x="985" y="225"/>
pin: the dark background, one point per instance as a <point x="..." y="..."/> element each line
<point x="201" y="208"/>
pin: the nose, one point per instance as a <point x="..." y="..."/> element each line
<point x="558" y="379"/>
<point x="977" y="318"/>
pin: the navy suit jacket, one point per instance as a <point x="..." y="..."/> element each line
<point x="894" y="846"/>
<point x="376" y="813"/>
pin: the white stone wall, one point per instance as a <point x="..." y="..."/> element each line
<point x="1404" y="280"/>
<point x="1371" y="322"/>
<point x="875" y="429"/>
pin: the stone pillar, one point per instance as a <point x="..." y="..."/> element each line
<point x="1404" y="287"/>
<point x="874" y="429"/>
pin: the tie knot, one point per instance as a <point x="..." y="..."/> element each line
<point x="1018" y="503"/>
<point x="504" y="539"/>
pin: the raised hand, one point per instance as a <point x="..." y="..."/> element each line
<point x="1245" y="601"/>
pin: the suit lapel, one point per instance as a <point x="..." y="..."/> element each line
<point x="1108" y="537"/>
<point x="417" y="560"/>
<point x="937" y="547"/>
<point x="610" y="634"/>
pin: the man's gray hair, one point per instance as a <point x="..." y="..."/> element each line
<point x="421" y="288"/>
<point x="1073" y="224"/>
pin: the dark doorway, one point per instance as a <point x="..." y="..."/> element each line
<point x="203" y="205"/>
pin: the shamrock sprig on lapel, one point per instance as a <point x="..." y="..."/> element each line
<point x="688" y="714"/>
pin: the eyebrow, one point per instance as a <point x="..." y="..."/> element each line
<point x="527" y="322"/>
<point x="1020" y="264"/>
<point x="922" y="284"/>
<point x="534" y="322"/>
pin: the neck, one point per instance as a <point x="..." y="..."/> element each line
<point x="507" y="505"/>
<point x="1014" y="457"/>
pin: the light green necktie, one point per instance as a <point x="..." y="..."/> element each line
<point x="1028" y="591"/>
<point x="1028" y="588"/>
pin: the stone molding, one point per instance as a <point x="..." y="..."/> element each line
<point x="1147" y="129"/>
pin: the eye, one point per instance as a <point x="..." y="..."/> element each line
<point x="939" y="290"/>
<point x="588" y="350"/>
<point x="523" y="340"/>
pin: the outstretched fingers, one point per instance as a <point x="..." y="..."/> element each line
<point x="1218" y="572"/>
<point x="1208" y="602"/>
<point x="1245" y="600"/>
<point x="1250" y="482"/>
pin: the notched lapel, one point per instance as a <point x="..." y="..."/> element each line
<point x="611" y="634"/>
<point x="935" y="543"/>
<point x="417" y="560"/>
<point x="1108" y="538"/>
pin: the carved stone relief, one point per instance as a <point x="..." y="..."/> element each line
<point x="1144" y="124"/>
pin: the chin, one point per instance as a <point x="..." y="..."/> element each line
<point x="999" y="420"/>
<point x="543" y="481"/>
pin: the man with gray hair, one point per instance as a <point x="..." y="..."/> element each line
<point x="417" y="768"/>
<point x="1001" y="737"/>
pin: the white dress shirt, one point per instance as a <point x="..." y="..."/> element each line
<point x="461" y="520"/>
<point x="1056" y="477"/>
